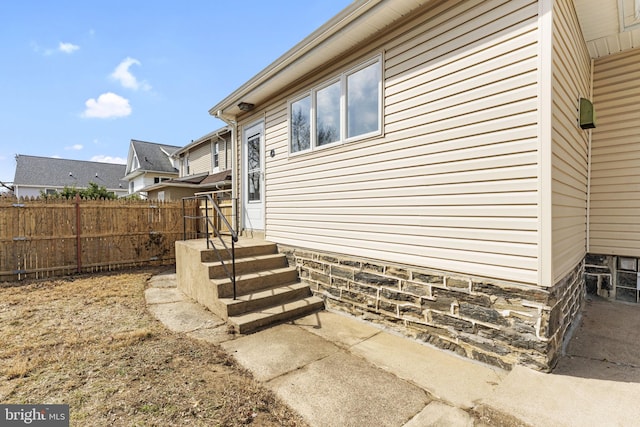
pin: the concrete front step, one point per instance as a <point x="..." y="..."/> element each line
<point x="247" y="265"/>
<point x="255" y="320"/>
<point x="261" y="248"/>
<point x="282" y="294"/>
<point x="253" y="282"/>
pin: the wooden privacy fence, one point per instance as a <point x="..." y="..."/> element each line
<point x="45" y="237"/>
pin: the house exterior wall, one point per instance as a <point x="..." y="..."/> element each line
<point x="452" y="183"/>
<point x="615" y="183"/>
<point x="147" y="179"/>
<point x="200" y="159"/>
<point x="170" y="193"/>
<point x="433" y="228"/>
<point x="570" y="81"/>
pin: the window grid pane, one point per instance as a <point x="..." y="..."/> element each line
<point x="363" y="100"/>
<point x="328" y="114"/>
<point x="301" y="125"/>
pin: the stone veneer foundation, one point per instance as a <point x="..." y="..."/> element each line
<point x="492" y="321"/>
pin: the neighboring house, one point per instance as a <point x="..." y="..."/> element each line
<point x="49" y="175"/>
<point x="149" y="163"/>
<point x="423" y="164"/>
<point x="204" y="165"/>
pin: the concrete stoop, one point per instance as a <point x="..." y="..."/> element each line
<point x="268" y="290"/>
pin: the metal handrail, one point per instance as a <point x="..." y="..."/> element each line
<point x="207" y="197"/>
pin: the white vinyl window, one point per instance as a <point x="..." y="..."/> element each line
<point x="346" y="108"/>
<point x="216" y="156"/>
<point x="300" y="122"/>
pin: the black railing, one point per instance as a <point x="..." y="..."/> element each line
<point x="213" y="227"/>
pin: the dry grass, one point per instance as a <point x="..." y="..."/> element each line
<point x="90" y="342"/>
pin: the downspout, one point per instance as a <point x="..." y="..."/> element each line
<point x="589" y="165"/>
<point x="234" y="165"/>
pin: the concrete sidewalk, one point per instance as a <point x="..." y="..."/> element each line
<point x="336" y="370"/>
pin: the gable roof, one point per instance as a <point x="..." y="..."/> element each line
<point x="53" y="172"/>
<point x="154" y="157"/>
<point x="151" y="157"/>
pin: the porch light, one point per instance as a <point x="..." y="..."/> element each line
<point x="587" y="119"/>
<point x="245" y="106"/>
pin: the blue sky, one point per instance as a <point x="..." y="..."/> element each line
<point x="80" y="79"/>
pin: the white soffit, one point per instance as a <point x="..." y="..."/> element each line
<point x="609" y="26"/>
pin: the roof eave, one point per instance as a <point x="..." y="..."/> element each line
<point x="215" y="133"/>
<point x="162" y="185"/>
<point x="228" y="106"/>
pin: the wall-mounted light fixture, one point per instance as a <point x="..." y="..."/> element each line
<point x="245" y="106"/>
<point x="587" y="115"/>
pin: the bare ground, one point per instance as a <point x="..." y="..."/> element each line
<point x="89" y="341"/>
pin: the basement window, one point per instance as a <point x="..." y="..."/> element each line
<point x="627" y="280"/>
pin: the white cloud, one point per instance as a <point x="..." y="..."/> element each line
<point x="76" y="147"/>
<point x="56" y="156"/>
<point x="109" y="159"/>
<point x="40" y="50"/>
<point x="107" y="105"/>
<point x="68" y="47"/>
<point x="125" y="78"/>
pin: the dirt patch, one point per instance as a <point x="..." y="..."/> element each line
<point x="91" y="343"/>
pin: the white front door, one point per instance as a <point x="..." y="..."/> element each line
<point x="253" y="177"/>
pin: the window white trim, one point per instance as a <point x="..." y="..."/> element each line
<point x="343" y="113"/>
<point x="215" y="156"/>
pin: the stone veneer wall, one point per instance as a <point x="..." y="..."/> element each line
<point x="491" y="321"/>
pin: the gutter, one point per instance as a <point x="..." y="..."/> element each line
<point x="138" y="172"/>
<point x="588" y="219"/>
<point x="219" y="185"/>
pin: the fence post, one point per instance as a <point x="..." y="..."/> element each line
<point x="78" y="240"/>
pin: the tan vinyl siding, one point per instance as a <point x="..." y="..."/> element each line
<point x="571" y="80"/>
<point x="452" y="184"/>
<point x="615" y="181"/>
<point x="200" y="159"/>
<point x="225" y="155"/>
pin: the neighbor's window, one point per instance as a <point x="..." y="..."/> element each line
<point x="186" y="168"/>
<point x="216" y="155"/>
<point x="346" y="108"/>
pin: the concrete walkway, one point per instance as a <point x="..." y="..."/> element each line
<point x="336" y="370"/>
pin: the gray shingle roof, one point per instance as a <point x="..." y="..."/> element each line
<point x="48" y="171"/>
<point x="152" y="158"/>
